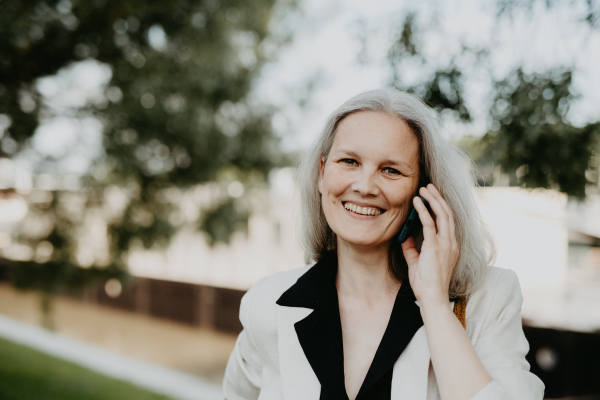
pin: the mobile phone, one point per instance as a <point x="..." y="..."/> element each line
<point x="410" y="223"/>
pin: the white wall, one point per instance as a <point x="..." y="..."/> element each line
<point x="269" y="247"/>
<point x="530" y="227"/>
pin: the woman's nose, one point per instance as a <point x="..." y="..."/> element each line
<point x="366" y="183"/>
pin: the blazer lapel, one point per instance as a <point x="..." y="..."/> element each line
<point x="297" y="377"/>
<point x="307" y="338"/>
<point x="409" y="380"/>
<point x="320" y="335"/>
<point x="405" y="321"/>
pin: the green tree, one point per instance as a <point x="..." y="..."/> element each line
<point x="532" y="138"/>
<point x="178" y="111"/>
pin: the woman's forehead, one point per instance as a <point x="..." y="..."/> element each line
<point x="376" y="132"/>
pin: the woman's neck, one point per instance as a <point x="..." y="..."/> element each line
<point x="364" y="274"/>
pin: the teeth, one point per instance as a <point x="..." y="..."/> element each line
<point x="361" y="210"/>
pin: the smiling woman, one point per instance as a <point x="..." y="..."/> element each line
<point x="374" y="318"/>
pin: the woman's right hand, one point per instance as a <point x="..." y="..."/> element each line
<point x="430" y="271"/>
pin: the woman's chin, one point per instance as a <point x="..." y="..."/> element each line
<point x="364" y="243"/>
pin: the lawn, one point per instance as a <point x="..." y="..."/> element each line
<point x="26" y="374"/>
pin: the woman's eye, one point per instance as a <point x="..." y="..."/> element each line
<point x="391" y="171"/>
<point x="348" y="161"/>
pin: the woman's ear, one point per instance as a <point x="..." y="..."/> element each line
<point x="321" y="168"/>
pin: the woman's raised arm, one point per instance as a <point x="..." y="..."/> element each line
<point x="493" y="369"/>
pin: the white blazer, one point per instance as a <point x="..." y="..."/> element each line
<point x="268" y="362"/>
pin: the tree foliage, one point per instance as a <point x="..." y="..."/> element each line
<point x="532" y="138"/>
<point x="443" y="88"/>
<point x="529" y="133"/>
<point x="589" y="9"/>
<point x="177" y="111"/>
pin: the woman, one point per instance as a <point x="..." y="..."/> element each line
<point x="374" y="318"/>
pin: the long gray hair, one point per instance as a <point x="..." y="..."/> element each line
<point x="440" y="163"/>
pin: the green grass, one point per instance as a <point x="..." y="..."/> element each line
<point x="27" y="374"/>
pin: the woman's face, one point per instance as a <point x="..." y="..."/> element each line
<point x="369" y="179"/>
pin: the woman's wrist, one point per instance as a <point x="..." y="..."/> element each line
<point x="434" y="307"/>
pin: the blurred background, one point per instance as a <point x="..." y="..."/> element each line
<point x="148" y="153"/>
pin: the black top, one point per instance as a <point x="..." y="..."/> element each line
<point x="320" y="333"/>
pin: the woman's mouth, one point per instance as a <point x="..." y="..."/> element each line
<point x="362" y="210"/>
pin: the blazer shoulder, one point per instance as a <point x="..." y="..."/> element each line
<point x="500" y="292"/>
<point x="266" y="291"/>
<point x="258" y="309"/>
<point x="501" y="282"/>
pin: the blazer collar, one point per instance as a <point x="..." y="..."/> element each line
<point x="314" y="286"/>
<point x="320" y="333"/>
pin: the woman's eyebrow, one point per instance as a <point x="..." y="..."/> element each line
<point x="348" y="153"/>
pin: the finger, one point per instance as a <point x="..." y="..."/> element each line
<point x="411" y="255"/>
<point x="436" y="201"/>
<point x="429" y="226"/>
<point x="450" y="215"/>
<point x="431" y="187"/>
<point x="441" y="216"/>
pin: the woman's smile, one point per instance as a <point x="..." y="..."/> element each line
<point x="369" y="178"/>
<point x="362" y="210"/>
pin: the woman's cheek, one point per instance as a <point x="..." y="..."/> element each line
<point x="336" y="180"/>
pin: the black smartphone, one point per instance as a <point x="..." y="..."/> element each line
<point x="411" y="222"/>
